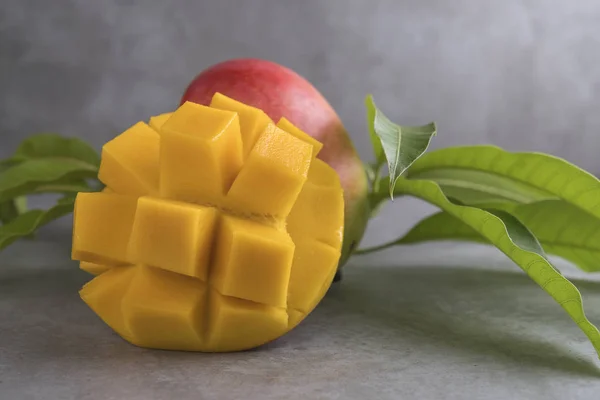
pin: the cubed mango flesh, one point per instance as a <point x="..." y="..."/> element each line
<point x="102" y="225"/>
<point x="93" y="268"/>
<point x="129" y="162"/>
<point x="223" y="237"/>
<point x="174" y="236"/>
<point x="252" y="261"/>
<point x="307" y="276"/>
<point x="238" y="324"/>
<point x="290" y="128"/>
<point x="273" y="175"/>
<point x="318" y="210"/>
<point x="104" y="295"/>
<point x="200" y="154"/>
<point x="156" y="122"/>
<point x="163" y="310"/>
<point x="253" y="121"/>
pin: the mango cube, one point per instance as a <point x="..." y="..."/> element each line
<point x="104" y="295"/>
<point x="173" y="236"/>
<point x="200" y="153"/>
<point x="163" y="310"/>
<point x="295" y="317"/>
<point x="102" y="225"/>
<point x="228" y="316"/>
<point x="273" y="174"/>
<point x="130" y="162"/>
<point x="290" y="128"/>
<point x="156" y="122"/>
<point x="253" y="120"/>
<point x="311" y="269"/>
<point x="252" y="262"/>
<point x="319" y="207"/>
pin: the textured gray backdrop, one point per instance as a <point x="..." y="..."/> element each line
<point x="522" y="74"/>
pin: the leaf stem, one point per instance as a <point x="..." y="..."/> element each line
<point x="375" y="248"/>
<point x="376" y="180"/>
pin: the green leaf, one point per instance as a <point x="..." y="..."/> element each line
<point x="402" y="145"/>
<point x="41" y="174"/>
<point x="68" y="185"/>
<point x="375" y="141"/>
<point x="49" y="145"/>
<point x="562" y="229"/>
<point x="6" y="163"/>
<point x="483" y="174"/>
<point x="43" y="163"/>
<point x="27" y="223"/>
<point x="511" y="237"/>
<point x="10" y="209"/>
<point x="370" y="171"/>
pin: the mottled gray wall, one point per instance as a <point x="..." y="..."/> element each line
<point x="522" y="74"/>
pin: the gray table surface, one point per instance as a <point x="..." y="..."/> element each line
<point x="443" y="321"/>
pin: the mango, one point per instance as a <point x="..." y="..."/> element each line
<point x="200" y="153"/>
<point x="130" y="161"/>
<point x="224" y="236"/>
<point x="265" y="87"/>
<point x="157" y="121"/>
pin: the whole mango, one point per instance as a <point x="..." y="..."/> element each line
<point x="287" y="97"/>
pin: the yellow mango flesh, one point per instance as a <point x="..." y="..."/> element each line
<point x="253" y="120"/>
<point x="200" y="154"/>
<point x="185" y="233"/>
<point x="93" y="268"/>
<point x="104" y="295"/>
<point x="130" y="161"/>
<point x="206" y="243"/>
<point x="164" y="310"/>
<point x="156" y="122"/>
<point x="252" y="261"/>
<point x="102" y="225"/>
<point x="287" y="126"/>
<point x="273" y="175"/>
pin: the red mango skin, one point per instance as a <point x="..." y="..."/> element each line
<point x="281" y="92"/>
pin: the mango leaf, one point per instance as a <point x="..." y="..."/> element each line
<point x="12" y="208"/>
<point x="561" y="228"/>
<point x="6" y="163"/>
<point x="375" y="141"/>
<point x="370" y="171"/>
<point x="513" y="238"/>
<point x="49" y="145"/>
<point x="70" y="184"/>
<point x="41" y="174"/>
<point x="26" y="224"/>
<point x="483" y="174"/>
<point x="558" y="201"/>
<point x="402" y="145"/>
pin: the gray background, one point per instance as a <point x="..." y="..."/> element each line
<point x="446" y="323"/>
<point x="522" y="74"/>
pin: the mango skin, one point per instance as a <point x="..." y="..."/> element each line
<point x="281" y="92"/>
